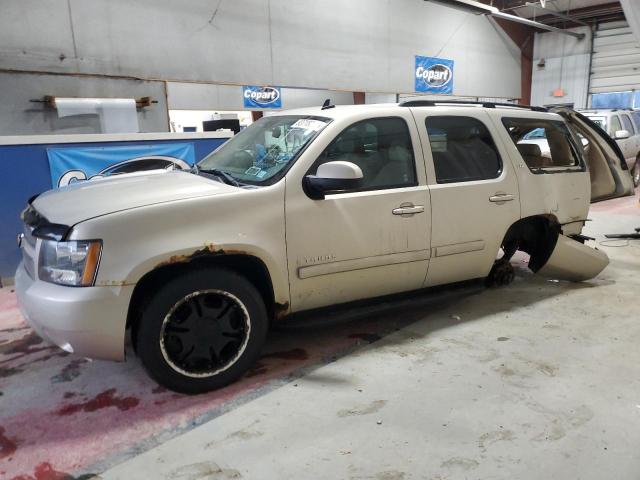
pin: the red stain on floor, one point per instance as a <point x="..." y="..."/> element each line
<point x="105" y="399"/>
<point x="44" y="471"/>
<point x="7" y="446"/>
<point x="257" y="369"/>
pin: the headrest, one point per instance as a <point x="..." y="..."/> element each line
<point x="529" y="149"/>
<point x="460" y="134"/>
<point x="399" y="153"/>
<point x="349" y="142"/>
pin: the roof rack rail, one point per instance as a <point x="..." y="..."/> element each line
<point x="433" y="103"/>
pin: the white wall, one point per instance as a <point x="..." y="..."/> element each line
<point x="567" y="62"/>
<point x="379" y="97"/>
<point x="203" y="96"/>
<point x="20" y="116"/>
<point x="354" y="45"/>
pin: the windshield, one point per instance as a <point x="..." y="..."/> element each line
<point x="264" y="149"/>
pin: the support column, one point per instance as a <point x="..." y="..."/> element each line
<point x="523" y="38"/>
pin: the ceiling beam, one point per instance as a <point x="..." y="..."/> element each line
<point x="482" y="9"/>
<point x="553" y="13"/>
<point x="608" y="11"/>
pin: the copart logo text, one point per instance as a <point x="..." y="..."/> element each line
<point x="436" y="75"/>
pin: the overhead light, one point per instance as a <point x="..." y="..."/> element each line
<point x="468" y="6"/>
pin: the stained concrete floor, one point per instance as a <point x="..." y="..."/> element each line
<point x="540" y="379"/>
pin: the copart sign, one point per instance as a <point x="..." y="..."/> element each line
<point x="433" y="75"/>
<point x="261" y="97"/>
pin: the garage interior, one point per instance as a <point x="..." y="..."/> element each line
<point x="535" y="378"/>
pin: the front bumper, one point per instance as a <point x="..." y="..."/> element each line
<point x="88" y="321"/>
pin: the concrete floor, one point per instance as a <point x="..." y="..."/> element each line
<point x="540" y="379"/>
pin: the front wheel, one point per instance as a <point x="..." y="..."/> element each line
<point x="202" y="330"/>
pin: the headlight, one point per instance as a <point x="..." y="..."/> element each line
<point x="73" y="263"/>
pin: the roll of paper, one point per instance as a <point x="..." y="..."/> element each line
<point x="117" y="115"/>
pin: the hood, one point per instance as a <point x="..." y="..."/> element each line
<point x="93" y="198"/>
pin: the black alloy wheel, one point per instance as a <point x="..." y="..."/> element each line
<point x="214" y="315"/>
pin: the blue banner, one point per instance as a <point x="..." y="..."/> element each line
<point x="73" y="164"/>
<point x="433" y="75"/>
<point x="261" y="97"/>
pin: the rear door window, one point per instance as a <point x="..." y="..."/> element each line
<point x="543" y="144"/>
<point x="628" y="124"/>
<point x="615" y="125"/>
<point x="463" y="149"/>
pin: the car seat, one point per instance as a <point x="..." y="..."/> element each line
<point x="531" y="154"/>
<point x="398" y="170"/>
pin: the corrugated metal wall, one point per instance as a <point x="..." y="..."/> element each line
<point x="561" y="62"/>
<point x="615" y="63"/>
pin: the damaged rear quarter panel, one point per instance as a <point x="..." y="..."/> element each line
<point x="139" y="240"/>
<point x="574" y="261"/>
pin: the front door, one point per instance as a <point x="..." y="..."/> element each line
<point x="365" y="243"/>
<point x="474" y="192"/>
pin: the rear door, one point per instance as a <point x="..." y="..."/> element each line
<point x="610" y="176"/>
<point x="474" y="192"/>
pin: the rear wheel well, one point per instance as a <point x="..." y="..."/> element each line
<point x="536" y="235"/>
<point x="250" y="267"/>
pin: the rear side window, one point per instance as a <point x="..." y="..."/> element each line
<point x="542" y="143"/>
<point x="628" y="125"/>
<point x="462" y="149"/>
<point x="381" y="147"/>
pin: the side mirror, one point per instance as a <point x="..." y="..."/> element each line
<point x="335" y="176"/>
<point x="622" y="134"/>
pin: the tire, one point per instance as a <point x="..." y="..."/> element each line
<point x="636" y="172"/>
<point x="501" y="274"/>
<point x="202" y="330"/>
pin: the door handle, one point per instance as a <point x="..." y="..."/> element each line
<point x="501" y="197"/>
<point x="408" y="209"/>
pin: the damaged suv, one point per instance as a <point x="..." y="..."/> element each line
<point x="307" y="209"/>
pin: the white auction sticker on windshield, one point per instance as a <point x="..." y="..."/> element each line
<point x="309" y="124"/>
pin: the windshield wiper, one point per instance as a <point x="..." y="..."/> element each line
<point x="221" y="174"/>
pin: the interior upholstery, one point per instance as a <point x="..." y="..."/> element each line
<point x="531" y="154"/>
